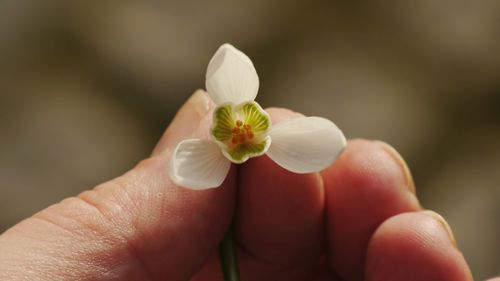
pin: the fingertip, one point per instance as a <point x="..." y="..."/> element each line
<point x="402" y="164"/>
<point x="414" y="246"/>
<point x="365" y="186"/>
<point x="186" y="121"/>
<point x="366" y="162"/>
<point x="444" y="224"/>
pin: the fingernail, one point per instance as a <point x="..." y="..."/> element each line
<point x="445" y="225"/>
<point x="188" y="117"/>
<point x="186" y="121"/>
<point x="200" y="103"/>
<point x="404" y="167"/>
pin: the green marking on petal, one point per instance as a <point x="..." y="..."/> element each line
<point x="241" y="152"/>
<point x="223" y="123"/>
<point x="254" y="116"/>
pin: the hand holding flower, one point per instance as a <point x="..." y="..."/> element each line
<point x="357" y="220"/>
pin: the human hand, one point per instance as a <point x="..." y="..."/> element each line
<point x="357" y="220"/>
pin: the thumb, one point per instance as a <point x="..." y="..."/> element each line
<point x="139" y="226"/>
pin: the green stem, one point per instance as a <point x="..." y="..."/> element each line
<point x="228" y="259"/>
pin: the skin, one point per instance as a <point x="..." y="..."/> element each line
<point x="357" y="220"/>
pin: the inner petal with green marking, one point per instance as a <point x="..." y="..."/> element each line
<point x="241" y="131"/>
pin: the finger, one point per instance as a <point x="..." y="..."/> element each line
<point x="415" y="246"/>
<point x="139" y="226"/>
<point x="279" y="220"/>
<point x="367" y="184"/>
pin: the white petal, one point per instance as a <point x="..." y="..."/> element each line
<point x="305" y="144"/>
<point x="198" y="164"/>
<point x="231" y="77"/>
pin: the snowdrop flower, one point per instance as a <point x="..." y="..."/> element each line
<point x="242" y="129"/>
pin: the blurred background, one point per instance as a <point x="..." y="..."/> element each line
<point x="87" y="87"/>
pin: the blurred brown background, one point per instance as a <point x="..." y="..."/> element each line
<point x="87" y="87"/>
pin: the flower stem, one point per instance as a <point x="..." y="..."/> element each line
<point x="228" y="259"/>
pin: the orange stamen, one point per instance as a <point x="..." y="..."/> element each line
<point x="241" y="133"/>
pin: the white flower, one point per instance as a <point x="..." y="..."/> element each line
<point x="242" y="129"/>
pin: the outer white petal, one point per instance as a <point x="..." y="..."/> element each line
<point x="198" y="164"/>
<point x="231" y="77"/>
<point x="305" y="144"/>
